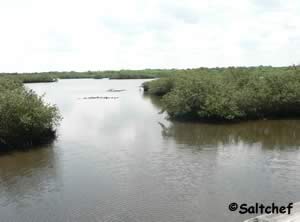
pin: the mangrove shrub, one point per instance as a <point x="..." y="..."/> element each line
<point x="231" y="94"/>
<point x="25" y="119"/>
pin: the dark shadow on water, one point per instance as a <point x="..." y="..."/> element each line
<point x="8" y="150"/>
<point x="29" y="172"/>
<point x="155" y="100"/>
<point x="271" y="134"/>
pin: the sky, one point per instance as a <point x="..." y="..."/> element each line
<point x="81" y="35"/>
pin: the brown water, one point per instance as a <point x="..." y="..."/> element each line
<point x="119" y="160"/>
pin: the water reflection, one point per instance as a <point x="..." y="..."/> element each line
<point x="154" y="100"/>
<point x="25" y="173"/>
<point x="271" y="134"/>
<point x="119" y="160"/>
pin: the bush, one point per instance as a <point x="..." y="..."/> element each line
<point x="159" y="87"/>
<point x="25" y="120"/>
<point x="231" y="94"/>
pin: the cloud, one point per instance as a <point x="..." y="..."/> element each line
<point x="135" y="34"/>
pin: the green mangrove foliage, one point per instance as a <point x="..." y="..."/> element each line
<point x="159" y="87"/>
<point x="231" y="94"/>
<point x="25" y="120"/>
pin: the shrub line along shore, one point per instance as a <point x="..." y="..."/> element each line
<point x="25" y="119"/>
<point x="232" y="94"/>
<point x="217" y="94"/>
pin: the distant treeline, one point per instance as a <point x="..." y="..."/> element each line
<point x="131" y="74"/>
<point x="230" y="94"/>
<point x="122" y="74"/>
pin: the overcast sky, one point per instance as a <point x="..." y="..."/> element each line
<point x="48" y="35"/>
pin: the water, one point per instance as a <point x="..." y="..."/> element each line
<point x="120" y="160"/>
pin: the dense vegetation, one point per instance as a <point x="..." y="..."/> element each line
<point x="25" y="120"/>
<point x="230" y="94"/>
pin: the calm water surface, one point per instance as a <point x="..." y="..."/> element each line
<point x="120" y="161"/>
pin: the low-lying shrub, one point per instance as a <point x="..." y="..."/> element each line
<point x="25" y="120"/>
<point x="233" y="94"/>
<point x="159" y="87"/>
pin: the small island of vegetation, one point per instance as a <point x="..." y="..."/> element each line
<point x="230" y="94"/>
<point x="25" y="119"/>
